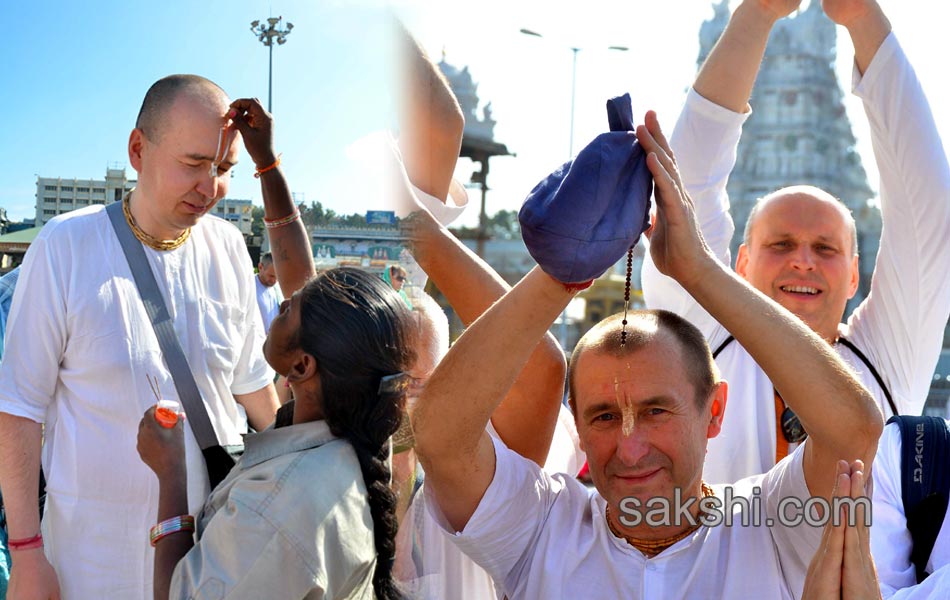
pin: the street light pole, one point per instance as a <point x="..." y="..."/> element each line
<point x="267" y="34"/>
<point x="570" y="147"/>
<point x="562" y="334"/>
<point x="270" y="75"/>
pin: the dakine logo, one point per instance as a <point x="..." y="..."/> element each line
<point x="919" y="454"/>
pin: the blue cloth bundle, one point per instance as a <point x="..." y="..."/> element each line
<point x="583" y="217"/>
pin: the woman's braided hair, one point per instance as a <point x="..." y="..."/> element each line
<point x="359" y="331"/>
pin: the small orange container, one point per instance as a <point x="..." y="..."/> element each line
<point x="166" y="413"/>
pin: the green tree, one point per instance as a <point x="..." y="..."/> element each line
<point x="502" y="225"/>
<point x="257" y="221"/>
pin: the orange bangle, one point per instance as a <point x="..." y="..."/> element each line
<point x="259" y="171"/>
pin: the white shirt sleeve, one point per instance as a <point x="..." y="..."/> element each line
<point x="891" y="543"/>
<point x="796" y="543"/>
<point x="935" y="587"/>
<point x="499" y="537"/>
<point x="445" y="212"/>
<point x="36" y="331"/>
<point x="705" y="141"/>
<point x="900" y="324"/>
<point x="251" y="373"/>
<point x="565" y="454"/>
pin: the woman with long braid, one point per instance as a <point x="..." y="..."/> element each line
<point x="308" y="511"/>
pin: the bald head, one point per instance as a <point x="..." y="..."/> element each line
<point x="433" y="330"/>
<point x="645" y="327"/>
<point x="162" y="95"/>
<point x="808" y="193"/>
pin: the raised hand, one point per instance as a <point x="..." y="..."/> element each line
<point x="676" y="244"/>
<point x="257" y="128"/>
<point x="845" y="12"/>
<point x="161" y="448"/>
<point x="777" y="8"/>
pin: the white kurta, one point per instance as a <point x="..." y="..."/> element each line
<point x="891" y="543"/>
<point x="268" y="301"/>
<point x="899" y="326"/>
<point x="80" y="347"/>
<point x="440" y="570"/>
<point x="543" y="536"/>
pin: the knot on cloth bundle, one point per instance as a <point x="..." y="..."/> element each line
<point x="583" y="217"/>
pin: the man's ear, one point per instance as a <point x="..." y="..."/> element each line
<point x="855" y="277"/>
<point x="742" y="261"/>
<point x="717" y="408"/>
<point x="136" y="144"/>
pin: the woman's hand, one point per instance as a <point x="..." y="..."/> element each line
<point x="162" y="448"/>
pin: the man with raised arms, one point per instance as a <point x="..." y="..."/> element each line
<point x="800" y="246"/>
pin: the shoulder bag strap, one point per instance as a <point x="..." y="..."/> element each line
<point x="164" y="329"/>
<point x="874" y="373"/>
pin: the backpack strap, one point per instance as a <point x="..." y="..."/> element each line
<point x="925" y="482"/>
<point x="877" y="376"/>
<point x="847" y="343"/>
<point x="722" y="346"/>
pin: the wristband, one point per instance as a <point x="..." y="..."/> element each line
<point x="26" y="543"/>
<point x="275" y="223"/>
<point x="573" y="288"/>
<point x="258" y="171"/>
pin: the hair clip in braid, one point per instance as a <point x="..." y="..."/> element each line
<point x="397" y="383"/>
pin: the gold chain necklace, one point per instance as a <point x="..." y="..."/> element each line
<point x="651" y="548"/>
<point x="145" y="238"/>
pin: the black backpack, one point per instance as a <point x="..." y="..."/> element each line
<point x="925" y="482"/>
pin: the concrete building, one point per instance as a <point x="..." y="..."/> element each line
<point x="799" y="132"/>
<point x="55" y="195"/>
<point x="237" y="212"/>
<point x="938" y="398"/>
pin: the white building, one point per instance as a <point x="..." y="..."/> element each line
<point x="55" y="195"/>
<point x="238" y="212"/>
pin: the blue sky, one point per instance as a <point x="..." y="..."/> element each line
<point x="74" y="75"/>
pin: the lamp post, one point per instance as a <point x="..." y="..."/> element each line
<point x="267" y="34"/>
<point x="574" y="51"/>
<point x="570" y="148"/>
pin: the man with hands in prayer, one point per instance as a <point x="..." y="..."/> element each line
<point x="646" y="399"/>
